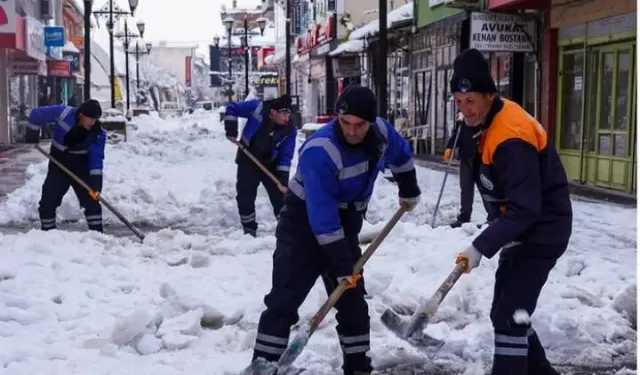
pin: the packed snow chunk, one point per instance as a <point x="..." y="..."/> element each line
<point x="521" y="316"/>
<point x="127" y="328"/>
<point x="148" y="344"/>
<point x="186" y="324"/>
<point x="199" y="260"/>
<point x="174" y="340"/>
<point x="626" y="303"/>
<point x="109" y="350"/>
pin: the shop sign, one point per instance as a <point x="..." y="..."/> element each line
<point x="77" y="41"/>
<point x="346" y="66"/>
<point x="35" y="47"/>
<point x="54" y="36"/>
<point x="73" y="59"/>
<point x="31" y="67"/>
<point x="262" y="55"/>
<point x="58" y="68"/>
<point x="319" y="34"/>
<point x="268" y="80"/>
<point x="502" y="33"/>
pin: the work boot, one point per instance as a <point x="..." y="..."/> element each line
<point x="250" y="231"/>
<point x="458" y="223"/>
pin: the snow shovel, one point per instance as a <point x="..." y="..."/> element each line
<point x="94" y="194"/>
<point x="444" y="181"/>
<point x="411" y="330"/>
<point x="283" y="366"/>
<point x="242" y="147"/>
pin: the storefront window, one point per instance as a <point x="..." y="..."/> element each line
<point x="572" y="86"/>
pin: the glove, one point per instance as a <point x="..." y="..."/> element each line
<point x="95" y="181"/>
<point x="447" y="154"/>
<point x="352" y="280"/>
<point x="32" y="136"/>
<point x="410" y="203"/>
<point x="231" y="128"/>
<point x="472" y="256"/>
<point x="283" y="177"/>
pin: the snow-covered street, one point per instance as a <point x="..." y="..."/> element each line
<point x="84" y="303"/>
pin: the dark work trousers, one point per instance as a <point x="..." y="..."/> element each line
<point x="467" y="186"/>
<point x="297" y="263"/>
<point x="249" y="176"/>
<point x="55" y="186"/>
<point x="522" y="272"/>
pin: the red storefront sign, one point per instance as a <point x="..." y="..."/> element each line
<point x="262" y="55"/>
<point x="187" y="70"/>
<point x="319" y="34"/>
<point x="58" y="68"/>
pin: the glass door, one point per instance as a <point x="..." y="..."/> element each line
<point x="613" y="117"/>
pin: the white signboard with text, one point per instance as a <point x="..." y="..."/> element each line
<point x="502" y="33"/>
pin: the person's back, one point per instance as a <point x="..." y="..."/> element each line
<point x="555" y="219"/>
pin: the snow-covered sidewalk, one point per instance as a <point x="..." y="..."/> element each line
<point x="86" y="303"/>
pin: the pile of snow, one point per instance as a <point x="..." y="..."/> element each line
<point x="183" y="303"/>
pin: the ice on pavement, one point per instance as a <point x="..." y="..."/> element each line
<point x="88" y="303"/>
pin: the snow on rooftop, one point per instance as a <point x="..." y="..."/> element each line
<point x="402" y="13"/>
<point x="352" y="46"/>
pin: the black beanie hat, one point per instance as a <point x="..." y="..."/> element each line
<point x="358" y="101"/>
<point x="471" y="73"/>
<point x="91" y="108"/>
<point x="282" y="103"/>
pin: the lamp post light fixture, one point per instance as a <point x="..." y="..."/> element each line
<point x="216" y="41"/>
<point x="262" y="24"/>
<point x="112" y="12"/>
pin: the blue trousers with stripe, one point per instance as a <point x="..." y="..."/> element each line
<point x="522" y="272"/>
<point x="297" y="262"/>
<point x="55" y="186"/>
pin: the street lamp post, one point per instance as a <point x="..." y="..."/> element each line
<point x="137" y="52"/>
<point x="228" y="23"/>
<point x="113" y="13"/>
<point x="87" y="48"/>
<point x="125" y="43"/>
<point x="246" y="56"/>
<point x="287" y="47"/>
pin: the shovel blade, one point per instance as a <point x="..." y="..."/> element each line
<point x="260" y="367"/>
<point x="296" y="346"/>
<point x="409" y="331"/>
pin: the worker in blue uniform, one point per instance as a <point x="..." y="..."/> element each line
<point x="525" y="189"/>
<point x="317" y="234"/>
<point x="78" y="143"/>
<point x="269" y="135"/>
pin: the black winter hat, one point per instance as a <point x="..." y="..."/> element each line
<point x="91" y="108"/>
<point x="358" y="101"/>
<point x="282" y="103"/>
<point x="471" y="73"/>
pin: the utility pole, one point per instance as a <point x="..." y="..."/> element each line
<point x="381" y="74"/>
<point x="287" y="51"/>
<point x="87" y="49"/>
